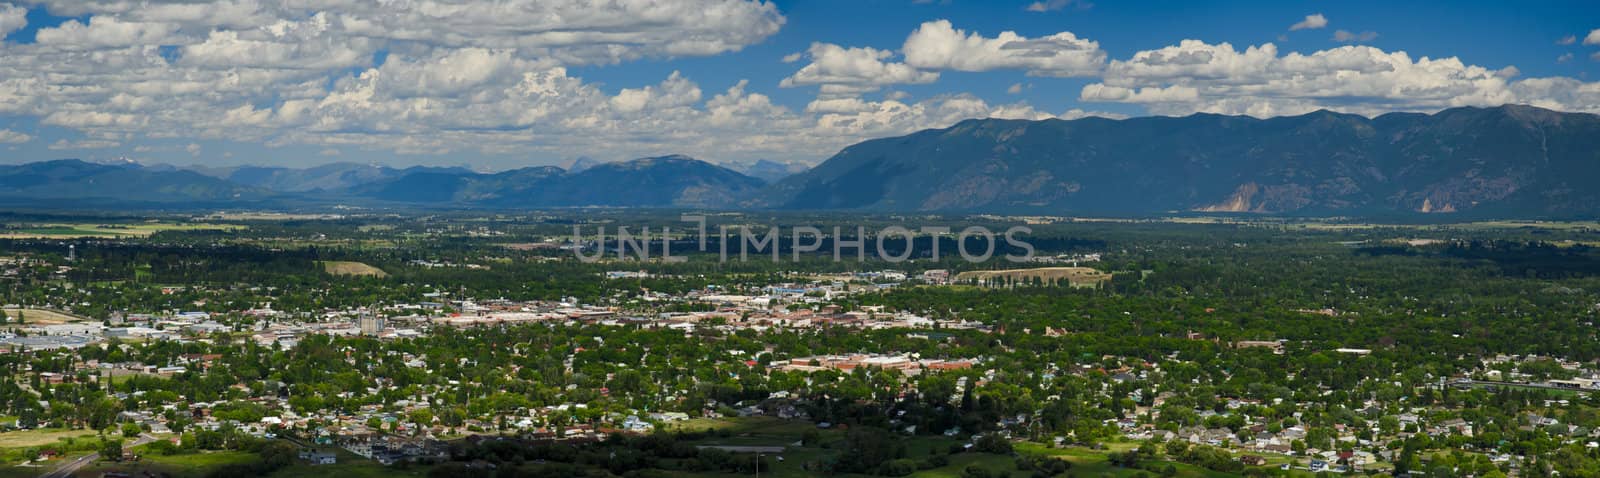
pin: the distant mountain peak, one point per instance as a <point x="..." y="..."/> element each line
<point x="579" y="163"/>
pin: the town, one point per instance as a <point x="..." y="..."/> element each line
<point x="413" y="367"/>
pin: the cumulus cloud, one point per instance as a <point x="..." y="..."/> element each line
<point x="1195" y="76"/>
<point x="843" y="70"/>
<point x="12" y="18"/>
<point x="1565" y="57"/>
<point x="104" y="32"/>
<point x="1593" y="38"/>
<point x="937" y="45"/>
<point x="574" y="31"/>
<point x="1312" y="22"/>
<point x="1567" y="40"/>
<point x="422" y="76"/>
<point x="674" y="92"/>
<point x="435" y="77"/>
<point x="12" y="137"/>
<point x="1344" y="36"/>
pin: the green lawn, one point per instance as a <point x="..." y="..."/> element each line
<point x="193" y="465"/>
<point x="39" y="436"/>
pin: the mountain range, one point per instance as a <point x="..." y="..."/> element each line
<point x="1508" y="161"/>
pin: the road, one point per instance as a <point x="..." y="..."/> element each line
<point x="1491" y="383"/>
<point x="68" y="468"/>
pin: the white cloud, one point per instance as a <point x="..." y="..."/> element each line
<point x="310" y="44"/>
<point x="1348" y="37"/>
<point x="843" y="70"/>
<point x="12" y="137"/>
<point x="793" y="57"/>
<point x="1567" y="40"/>
<point x="1593" y="38"/>
<point x="303" y="72"/>
<point x="104" y="32"/>
<point x="1195" y="76"/>
<point x="496" y="79"/>
<point x="1053" y="5"/>
<point x="1148" y="94"/>
<point x="193" y="149"/>
<point x="1015" y="88"/>
<point x="12" y="18"/>
<point x="1565" y="57"/>
<point x="84" y="144"/>
<point x="938" y="45"/>
<point x="1312" y="22"/>
<point x="572" y="31"/>
<point x="674" y="92"/>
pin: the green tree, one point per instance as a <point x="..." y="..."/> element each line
<point x="111" y="449"/>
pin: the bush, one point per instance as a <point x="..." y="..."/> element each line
<point x="898" y="467"/>
<point x="992" y="443"/>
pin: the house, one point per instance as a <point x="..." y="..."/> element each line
<point x="322" y="458"/>
<point x="1253" y="460"/>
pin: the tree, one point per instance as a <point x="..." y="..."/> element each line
<point x="975" y="471"/>
<point x="992" y="443"/>
<point x="131" y="429"/>
<point x="867" y="448"/>
<point x="111" y="449"/>
<point x="421" y="417"/>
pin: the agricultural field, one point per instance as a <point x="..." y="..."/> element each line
<point x="349" y="268"/>
<point x="40" y="436"/>
<point x="39" y="317"/>
<point x="1075" y="276"/>
<point x="104" y="231"/>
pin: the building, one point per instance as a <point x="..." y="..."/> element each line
<point x="319" y="457"/>
<point x="370" y="324"/>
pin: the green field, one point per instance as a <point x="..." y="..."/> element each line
<point x="41" y="436"/>
<point x="179" y="466"/>
<point x="105" y="231"/>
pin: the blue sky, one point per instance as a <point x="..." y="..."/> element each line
<point x="247" y="81"/>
